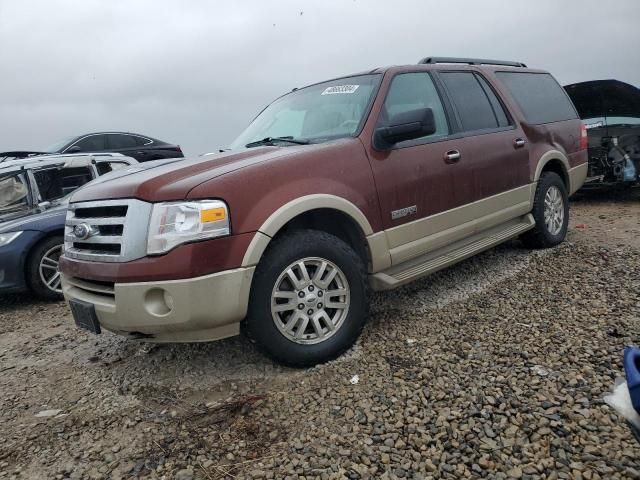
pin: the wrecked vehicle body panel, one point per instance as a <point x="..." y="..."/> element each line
<point x="611" y="111"/>
<point x="34" y="194"/>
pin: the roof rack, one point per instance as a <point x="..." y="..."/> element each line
<point x="470" y="61"/>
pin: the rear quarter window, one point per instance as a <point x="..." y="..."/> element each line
<point x="540" y="97"/>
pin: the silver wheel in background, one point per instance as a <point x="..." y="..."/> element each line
<point x="48" y="269"/>
<point x="310" y="300"/>
<point x="553" y="210"/>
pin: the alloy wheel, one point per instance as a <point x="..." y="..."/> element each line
<point x="553" y="210"/>
<point x="310" y="300"/>
<point x="49" y="272"/>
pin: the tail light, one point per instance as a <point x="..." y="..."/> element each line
<point x="584" y="143"/>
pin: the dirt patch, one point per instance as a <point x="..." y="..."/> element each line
<point x="495" y="367"/>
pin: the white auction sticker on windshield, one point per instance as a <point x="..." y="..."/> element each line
<point x="340" y="89"/>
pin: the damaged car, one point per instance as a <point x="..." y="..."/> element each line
<point x="610" y="110"/>
<point x="34" y="195"/>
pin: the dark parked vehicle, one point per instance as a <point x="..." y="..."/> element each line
<point x="33" y="203"/>
<point x="140" y="147"/>
<point x="611" y="111"/>
<point x="366" y="181"/>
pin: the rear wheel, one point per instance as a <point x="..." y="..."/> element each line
<point x="550" y="211"/>
<point x="42" y="272"/>
<point x="309" y="299"/>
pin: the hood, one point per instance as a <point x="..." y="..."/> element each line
<point x="605" y="98"/>
<point x="174" y="181"/>
<point x="34" y="221"/>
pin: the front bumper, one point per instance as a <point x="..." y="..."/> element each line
<point x="197" y="309"/>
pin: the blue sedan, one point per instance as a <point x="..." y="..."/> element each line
<point x="29" y="252"/>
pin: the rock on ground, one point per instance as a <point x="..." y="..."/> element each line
<point x="493" y="368"/>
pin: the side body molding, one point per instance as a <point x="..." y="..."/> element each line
<point x="379" y="251"/>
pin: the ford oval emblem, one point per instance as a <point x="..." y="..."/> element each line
<point x="82" y="231"/>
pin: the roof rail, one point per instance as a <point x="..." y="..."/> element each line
<point x="470" y="61"/>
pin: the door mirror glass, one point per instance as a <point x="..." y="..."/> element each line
<point x="74" y="149"/>
<point x="406" y="126"/>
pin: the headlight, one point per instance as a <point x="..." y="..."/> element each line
<point x="174" y="223"/>
<point x="7" y="238"/>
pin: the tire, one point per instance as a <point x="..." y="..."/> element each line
<point x="281" y="331"/>
<point x="551" y="199"/>
<point x="51" y="247"/>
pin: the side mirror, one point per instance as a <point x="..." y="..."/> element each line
<point x="74" y="149"/>
<point x="406" y="126"/>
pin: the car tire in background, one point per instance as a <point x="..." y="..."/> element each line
<point x="550" y="212"/>
<point x="309" y="299"/>
<point x="42" y="273"/>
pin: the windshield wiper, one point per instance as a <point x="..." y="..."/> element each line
<point x="268" y="140"/>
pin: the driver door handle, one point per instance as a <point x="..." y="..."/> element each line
<point x="519" y="143"/>
<point x="452" y="156"/>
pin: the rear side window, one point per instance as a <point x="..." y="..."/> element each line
<point x="475" y="102"/>
<point x="498" y="109"/>
<point x="141" y="141"/>
<point x="121" y="141"/>
<point x="540" y="97"/>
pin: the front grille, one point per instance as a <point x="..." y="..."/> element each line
<point x="110" y="230"/>
<point x="102" y="212"/>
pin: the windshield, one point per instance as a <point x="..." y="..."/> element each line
<point x="56" y="147"/>
<point x="321" y="112"/>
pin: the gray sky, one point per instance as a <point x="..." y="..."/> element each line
<point x="196" y="72"/>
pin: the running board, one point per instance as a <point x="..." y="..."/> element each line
<point x="431" y="262"/>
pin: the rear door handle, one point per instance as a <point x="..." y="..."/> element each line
<point x="452" y="156"/>
<point x="519" y="143"/>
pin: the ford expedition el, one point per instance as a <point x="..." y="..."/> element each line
<point x="363" y="182"/>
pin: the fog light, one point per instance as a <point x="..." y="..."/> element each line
<point x="158" y="302"/>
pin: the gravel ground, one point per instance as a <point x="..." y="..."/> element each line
<point x="493" y="368"/>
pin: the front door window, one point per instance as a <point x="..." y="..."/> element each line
<point x="413" y="91"/>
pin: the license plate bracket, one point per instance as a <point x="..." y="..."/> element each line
<point x="84" y="315"/>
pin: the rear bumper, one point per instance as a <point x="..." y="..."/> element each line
<point x="197" y="309"/>
<point x="577" y="176"/>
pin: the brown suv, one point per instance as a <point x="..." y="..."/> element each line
<point x="366" y="181"/>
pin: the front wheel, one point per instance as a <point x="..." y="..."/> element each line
<point x="550" y="212"/>
<point x="309" y="300"/>
<point x="42" y="272"/>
